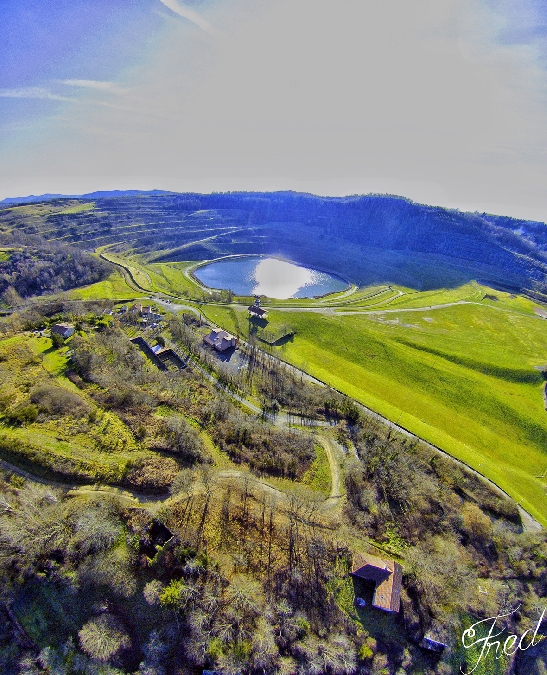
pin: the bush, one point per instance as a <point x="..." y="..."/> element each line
<point x="183" y="440"/>
<point x="153" y="591"/>
<point x="475" y="522"/>
<point x="58" y="402"/>
<point x="111" y="572"/>
<point x="103" y="638"/>
<point x="264" y="448"/>
<point x="95" y="527"/>
<point x="183" y="482"/>
<point x="57" y="340"/>
<point x="365" y="652"/>
<point x="22" y="413"/>
<point x="153" y="474"/>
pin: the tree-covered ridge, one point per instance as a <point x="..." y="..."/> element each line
<point x="373" y="238"/>
<point x="43" y="267"/>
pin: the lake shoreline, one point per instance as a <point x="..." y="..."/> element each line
<point x="334" y="276"/>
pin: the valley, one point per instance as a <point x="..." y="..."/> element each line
<point x="361" y="421"/>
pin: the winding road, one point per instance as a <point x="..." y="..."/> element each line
<point x="528" y="521"/>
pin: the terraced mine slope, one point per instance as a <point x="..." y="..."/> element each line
<point x="366" y="239"/>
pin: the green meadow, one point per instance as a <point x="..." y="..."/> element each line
<point x="464" y="377"/>
<point x="170" y="278"/>
<point x="458" y="367"/>
<point x="115" y="287"/>
<point x="78" y="208"/>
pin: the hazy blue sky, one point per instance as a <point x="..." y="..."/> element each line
<point x="443" y="101"/>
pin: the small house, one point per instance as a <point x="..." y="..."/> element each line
<point x="65" y="330"/>
<point x="255" y="309"/>
<point x="220" y="340"/>
<point x="387" y="576"/>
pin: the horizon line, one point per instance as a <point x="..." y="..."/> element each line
<point x="49" y="196"/>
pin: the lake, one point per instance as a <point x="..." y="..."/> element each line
<point x="254" y="275"/>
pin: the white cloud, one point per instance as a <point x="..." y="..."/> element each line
<point x="109" y="87"/>
<point x="192" y="16"/>
<point x="43" y="93"/>
<point x="416" y="98"/>
<point x="33" y="92"/>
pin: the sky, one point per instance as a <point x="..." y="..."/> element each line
<point x="441" y="102"/>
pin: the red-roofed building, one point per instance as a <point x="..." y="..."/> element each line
<point x="386" y="574"/>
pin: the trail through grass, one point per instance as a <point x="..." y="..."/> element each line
<point x="463" y="377"/>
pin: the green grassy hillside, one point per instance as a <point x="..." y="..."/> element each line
<point x="115" y="287"/>
<point x="462" y="376"/>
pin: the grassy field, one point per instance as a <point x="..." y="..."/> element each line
<point x="172" y="278"/>
<point x="318" y="476"/>
<point x="113" y="288"/>
<point x="100" y="449"/>
<point x="137" y="274"/>
<point x="169" y="278"/>
<point x="79" y="208"/>
<point x="463" y="377"/>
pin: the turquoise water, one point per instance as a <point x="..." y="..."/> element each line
<point x="254" y="275"/>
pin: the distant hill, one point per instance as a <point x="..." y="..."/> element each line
<point x="368" y="239"/>
<point x="33" y="199"/>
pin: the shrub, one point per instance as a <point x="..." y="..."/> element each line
<point x="57" y="340"/>
<point x="303" y="625"/>
<point x="264" y="448"/>
<point x="183" y="482"/>
<point x="102" y="638"/>
<point x="475" y="522"/>
<point x="365" y="652"/>
<point x="171" y="596"/>
<point x="153" y="591"/>
<point x="111" y="571"/>
<point x="154" y="474"/>
<point x="95" y="527"/>
<point x="183" y="440"/>
<point x="57" y="402"/>
<point x="22" y="413"/>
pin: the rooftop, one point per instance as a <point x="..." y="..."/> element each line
<point x="386" y="574"/>
<point x="220" y="339"/>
